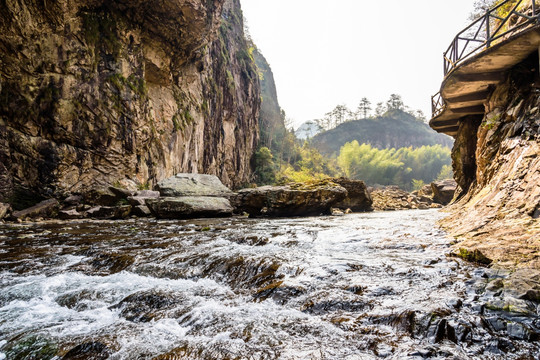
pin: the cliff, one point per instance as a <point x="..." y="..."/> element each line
<point x="395" y="129"/>
<point x="497" y="165"/>
<point x="271" y="120"/>
<point x="130" y="92"/>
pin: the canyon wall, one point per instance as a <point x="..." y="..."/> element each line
<point x="123" y="92"/>
<point x="497" y="165"/>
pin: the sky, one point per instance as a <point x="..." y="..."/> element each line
<point x="329" y="52"/>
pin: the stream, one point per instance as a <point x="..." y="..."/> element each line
<point x="360" y="286"/>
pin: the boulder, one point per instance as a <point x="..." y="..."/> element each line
<point x="189" y="207"/>
<point x="109" y="212"/>
<point x="45" y="209"/>
<point x="141" y="211"/>
<point x="139" y="199"/>
<point x="295" y="199"/>
<point x="5" y="209"/>
<point x="193" y="185"/>
<point x="443" y="191"/>
<point x="121" y="192"/>
<point x="73" y="200"/>
<point x="426" y="190"/>
<point x="70" y="214"/>
<point x="102" y="197"/>
<point x="358" y="197"/>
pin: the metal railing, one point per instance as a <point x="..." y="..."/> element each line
<point x="484" y="32"/>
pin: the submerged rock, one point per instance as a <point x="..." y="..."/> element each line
<point x="189" y="207"/>
<point x="358" y="197"/>
<point x="90" y="350"/>
<point x="193" y="185"/>
<point x="295" y="199"/>
<point x="45" y="209"/>
<point x="443" y="191"/>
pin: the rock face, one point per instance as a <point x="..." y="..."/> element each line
<point x="192" y="185"/>
<point x="290" y="200"/>
<point x="358" y="197"/>
<point x="443" y="191"/>
<point x="95" y="92"/>
<point x="498" y="214"/>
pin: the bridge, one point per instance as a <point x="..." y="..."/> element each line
<point x="479" y="57"/>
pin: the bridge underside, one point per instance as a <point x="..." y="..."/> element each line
<point x="466" y="88"/>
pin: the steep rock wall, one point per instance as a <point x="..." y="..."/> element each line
<point x="497" y="163"/>
<point x="127" y="91"/>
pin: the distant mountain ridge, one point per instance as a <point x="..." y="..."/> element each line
<point x="395" y="129"/>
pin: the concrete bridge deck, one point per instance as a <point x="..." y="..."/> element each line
<point x="469" y="81"/>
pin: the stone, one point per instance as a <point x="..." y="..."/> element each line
<point x="71" y="214"/>
<point x="193" y="185"/>
<point x="139" y="199"/>
<point x="73" y="200"/>
<point x="147" y="194"/>
<point x="102" y="197"/>
<point x="45" y="209"/>
<point x="443" y="191"/>
<point x="141" y="211"/>
<point x="358" y="197"/>
<point x="296" y="199"/>
<point x="5" y="210"/>
<point x="109" y="212"/>
<point x="189" y="207"/>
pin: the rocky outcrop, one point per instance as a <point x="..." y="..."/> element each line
<point x="358" y="197"/>
<point x="443" y="191"/>
<point x="4" y="210"/>
<point x="296" y="199"/>
<point x="498" y="213"/>
<point x="95" y="92"/>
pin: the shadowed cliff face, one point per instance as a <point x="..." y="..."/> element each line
<point x="97" y="92"/>
<point x="499" y="214"/>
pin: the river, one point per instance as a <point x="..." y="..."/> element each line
<point x="360" y="286"/>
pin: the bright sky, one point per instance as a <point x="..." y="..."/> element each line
<point x="327" y="52"/>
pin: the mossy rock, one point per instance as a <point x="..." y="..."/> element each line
<point x="474" y="256"/>
<point x="30" y="348"/>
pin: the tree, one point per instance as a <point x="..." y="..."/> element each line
<point x="395" y="102"/>
<point x="264" y="166"/>
<point x="379" y="110"/>
<point x="364" y="107"/>
<point x="338" y="116"/>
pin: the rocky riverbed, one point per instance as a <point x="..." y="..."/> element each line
<point x="359" y="286"/>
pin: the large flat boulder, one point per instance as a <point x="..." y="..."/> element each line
<point x="358" y="197"/>
<point x="443" y="191"/>
<point x="189" y="207"/>
<point x="290" y="200"/>
<point x="193" y="185"/>
<point x="45" y="209"/>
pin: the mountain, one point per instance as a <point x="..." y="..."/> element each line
<point x="307" y="130"/>
<point x="395" y="129"/>
<point x="98" y="92"/>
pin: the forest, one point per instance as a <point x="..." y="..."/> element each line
<point x="283" y="158"/>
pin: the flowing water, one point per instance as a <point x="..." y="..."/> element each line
<point x="361" y="286"/>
